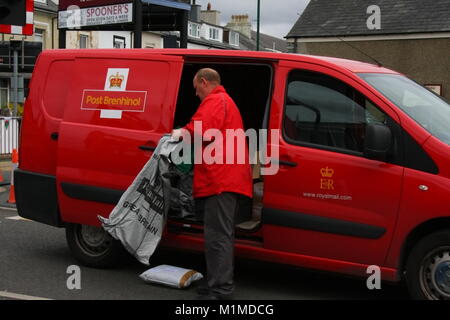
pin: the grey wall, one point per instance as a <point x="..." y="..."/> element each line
<point x="425" y="60"/>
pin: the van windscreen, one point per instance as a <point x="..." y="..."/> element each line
<point x="422" y="105"/>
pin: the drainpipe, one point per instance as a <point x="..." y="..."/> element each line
<point x="257" y="26"/>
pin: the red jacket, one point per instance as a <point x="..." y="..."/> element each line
<point x="218" y="111"/>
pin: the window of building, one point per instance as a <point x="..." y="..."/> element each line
<point x="4" y="97"/>
<point x="194" y="30"/>
<point x="325" y="111"/>
<point x="84" y="41"/>
<point x="119" y="42"/>
<point x="214" y="34"/>
<point x="39" y="36"/>
<point x="4" y="101"/>
<point x="234" y="38"/>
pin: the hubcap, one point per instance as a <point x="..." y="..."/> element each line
<point x="92" y="240"/>
<point x="435" y="274"/>
<point x="442" y="273"/>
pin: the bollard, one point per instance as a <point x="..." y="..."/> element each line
<point x="15" y="164"/>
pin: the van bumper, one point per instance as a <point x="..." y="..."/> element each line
<point x="36" y="197"/>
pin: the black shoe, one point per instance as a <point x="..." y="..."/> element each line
<point x="203" y="287"/>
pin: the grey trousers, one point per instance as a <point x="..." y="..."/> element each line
<point x="220" y="211"/>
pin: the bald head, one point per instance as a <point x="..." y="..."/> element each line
<point x="205" y="81"/>
<point x="209" y="75"/>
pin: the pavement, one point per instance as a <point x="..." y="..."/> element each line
<point x="5" y="182"/>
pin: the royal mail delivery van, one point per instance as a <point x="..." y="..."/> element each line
<point x="364" y="156"/>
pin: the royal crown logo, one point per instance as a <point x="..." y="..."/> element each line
<point x="326" y="172"/>
<point x="115" y="81"/>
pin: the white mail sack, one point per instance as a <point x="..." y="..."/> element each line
<point x="139" y="217"/>
<point x="171" y="276"/>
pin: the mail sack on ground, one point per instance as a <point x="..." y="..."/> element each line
<point x="171" y="276"/>
<point x="139" y="217"/>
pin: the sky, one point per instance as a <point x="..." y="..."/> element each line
<point x="277" y="16"/>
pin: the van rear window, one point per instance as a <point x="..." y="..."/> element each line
<point x="57" y="82"/>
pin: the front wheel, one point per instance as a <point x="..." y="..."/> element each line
<point x="94" y="247"/>
<point x="428" y="267"/>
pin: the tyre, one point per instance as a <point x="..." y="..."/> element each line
<point x="94" y="247"/>
<point x="428" y="267"/>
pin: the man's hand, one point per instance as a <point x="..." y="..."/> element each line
<point x="177" y="133"/>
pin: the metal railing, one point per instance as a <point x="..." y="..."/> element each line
<point x="9" y="134"/>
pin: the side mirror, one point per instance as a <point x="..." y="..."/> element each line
<point x="377" y="142"/>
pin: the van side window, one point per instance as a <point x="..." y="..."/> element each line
<point x="52" y="102"/>
<point x="324" y="111"/>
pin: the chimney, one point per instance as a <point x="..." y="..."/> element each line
<point x="194" y="14"/>
<point x="210" y="16"/>
<point x="241" y="23"/>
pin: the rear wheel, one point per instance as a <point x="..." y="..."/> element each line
<point x="94" y="247"/>
<point x="428" y="267"/>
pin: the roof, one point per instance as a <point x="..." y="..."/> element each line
<point x="267" y="43"/>
<point x="211" y="43"/>
<point x="336" y="63"/>
<point x="324" y="18"/>
<point x="270" y="42"/>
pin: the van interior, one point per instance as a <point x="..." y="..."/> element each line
<point x="249" y="85"/>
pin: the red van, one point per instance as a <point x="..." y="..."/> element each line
<point x="364" y="156"/>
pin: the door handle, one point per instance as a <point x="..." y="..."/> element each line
<point x="283" y="162"/>
<point x="147" y="148"/>
<point x="54" y="135"/>
<point x="287" y="163"/>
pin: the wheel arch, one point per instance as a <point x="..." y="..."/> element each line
<point x="416" y="235"/>
<point x="113" y="254"/>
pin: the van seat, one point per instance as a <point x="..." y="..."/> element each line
<point x="252" y="224"/>
<point x="248" y="226"/>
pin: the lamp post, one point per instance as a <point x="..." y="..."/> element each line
<point x="257" y="25"/>
<point x="137" y="34"/>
